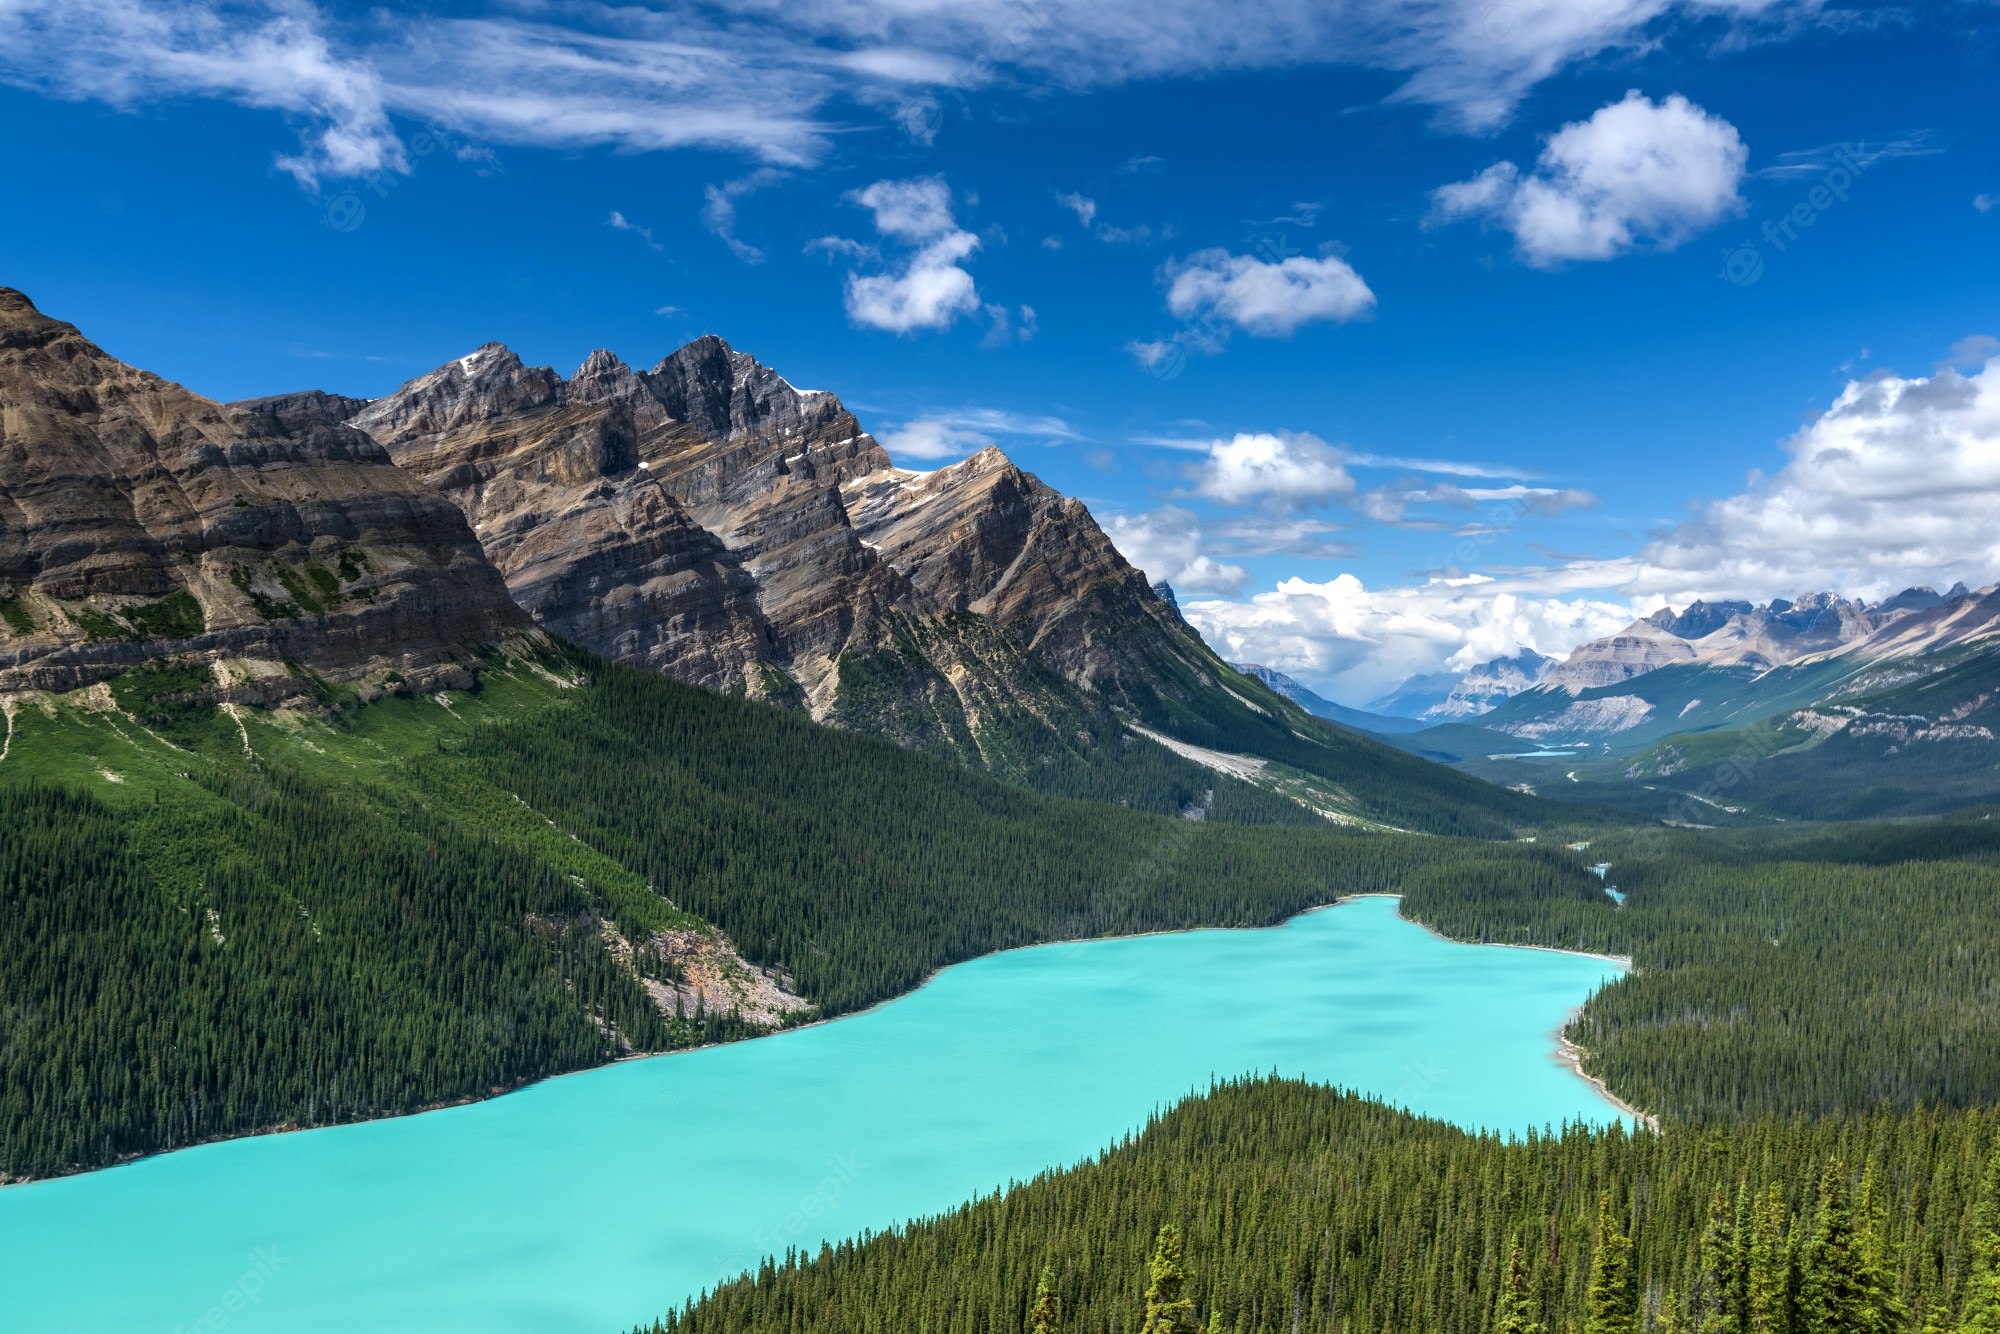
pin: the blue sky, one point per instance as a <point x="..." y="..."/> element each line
<point x="1397" y="335"/>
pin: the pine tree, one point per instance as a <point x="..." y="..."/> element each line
<point x="1712" y="1306"/>
<point x="1833" y="1300"/>
<point x="1982" y="1293"/>
<point x="1770" y="1267"/>
<point x="1884" y="1312"/>
<point x="1609" y="1305"/>
<point x="1517" y="1310"/>
<point x="1047" y="1315"/>
<point x="1168" y="1309"/>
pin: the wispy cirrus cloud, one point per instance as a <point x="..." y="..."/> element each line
<point x="619" y="222"/>
<point x="960" y="431"/>
<point x="718" y="213"/>
<point x="755" y="77"/>
<point x="275" y="56"/>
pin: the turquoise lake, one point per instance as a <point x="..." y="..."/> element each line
<point x="592" y="1203"/>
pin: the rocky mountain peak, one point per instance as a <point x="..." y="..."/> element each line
<point x="730" y="396"/>
<point x="486" y="383"/>
<point x="601" y="364"/>
<point x="753" y="535"/>
<point x="1699" y="619"/>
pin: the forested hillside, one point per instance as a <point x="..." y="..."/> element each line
<point x="1776" y="971"/>
<point x="1303" y="1208"/>
<point x="216" y="918"/>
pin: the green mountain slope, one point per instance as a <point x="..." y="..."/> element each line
<point x="216" y="918"/>
<point x="1915" y="737"/>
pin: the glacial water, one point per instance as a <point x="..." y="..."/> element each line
<point x="591" y="1203"/>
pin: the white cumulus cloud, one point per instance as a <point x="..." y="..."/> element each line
<point x="1282" y="471"/>
<point x="1360" y="642"/>
<point x="1637" y="173"/>
<point x="929" y="290"/>
<point x="1166" y="543"/>
<point x="1897" y="483"/>
<point x="1267" y="300"/>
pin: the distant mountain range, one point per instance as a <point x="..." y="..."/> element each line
<point x="1820" y="708"/>
<point x="1711" y="633"/>
<point x="1440" y="697"/>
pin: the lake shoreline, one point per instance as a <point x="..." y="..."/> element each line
<point x="293" y="1127"/>
<point x="1570" y="1056"/>
<point x="290" y="1128"/>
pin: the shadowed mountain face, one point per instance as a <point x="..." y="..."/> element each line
<point x="137" y="518"/>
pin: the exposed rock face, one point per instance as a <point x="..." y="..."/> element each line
<point x="1959" y="618"/>
<point x="589" y="543"/>
<point x="1489" y="683"/>
<point x="137" y="517"/>
<point x="708" y="520"/>
<point x="982" y="536"/>
<point x="1639" y="648"/>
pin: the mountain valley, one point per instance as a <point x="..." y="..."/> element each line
<point x="1819" y="709"/>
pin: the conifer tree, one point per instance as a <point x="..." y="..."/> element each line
<point x="1047" y="1315"/>
<point x="1168" y="1309"/>
<point x="1834" y="1300"/>
<point x="1712" y="1306"/>
<point x="1517" y="1309"/>
<point x="1673" y="1319"/>
<point x="1609" y="1304"/>
<point x="1885" y="1312"/>
<point x="1770" y="1267"/>
<point x="1745" y="1228"/>
<point x="1982" y="1293"/>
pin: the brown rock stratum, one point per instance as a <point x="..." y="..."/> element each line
<point x="138" y="518"/>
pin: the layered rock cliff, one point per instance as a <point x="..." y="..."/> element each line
<point x="708" y="520"/>
<point x="138" y="518"/>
